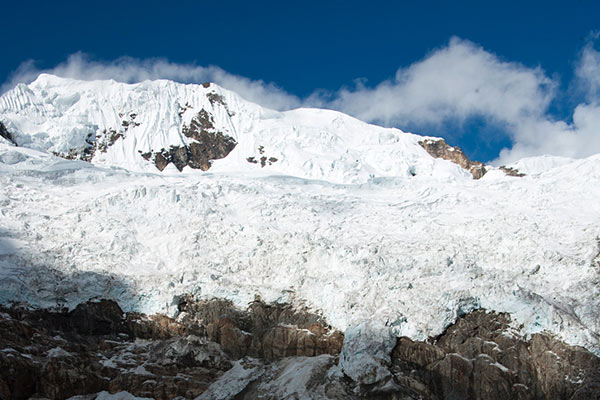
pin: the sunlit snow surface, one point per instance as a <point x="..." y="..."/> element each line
<point x="370" y="244"/>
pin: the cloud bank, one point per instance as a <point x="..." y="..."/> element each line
<point x="462" y="81"/>
<point x="454" y="83"/>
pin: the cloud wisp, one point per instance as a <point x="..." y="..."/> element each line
<point x="453" y="84"/>
<point x="131" y="70"/>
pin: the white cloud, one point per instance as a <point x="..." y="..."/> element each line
<point x="459" y="81"/>
<point x="588" y="70"/>
<point x="579" y="139"/>
<point x="462" y="80"/>
<point x="128" y="69"/>
<point x="451" y="84"/>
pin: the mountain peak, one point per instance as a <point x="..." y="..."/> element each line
<point x="50" y="79"/>
<point x="148" y="125"/>
<point x="367" y="230"/>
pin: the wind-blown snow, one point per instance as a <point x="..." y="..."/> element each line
<point x="358" y="242"/>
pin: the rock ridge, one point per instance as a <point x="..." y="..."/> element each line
<point x="213" y="350"/>
<point x="438" y="148"/>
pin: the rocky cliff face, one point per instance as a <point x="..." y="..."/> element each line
<point x="97" y="347"/>
<point x="479" y="357"/>
<point x="266" y="331"/>
<point x="438" y="148"/>
<point x="272" y="351"/>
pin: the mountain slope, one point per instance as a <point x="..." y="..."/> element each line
<point x="157" y="124"/>
<point x="355" y="221"/>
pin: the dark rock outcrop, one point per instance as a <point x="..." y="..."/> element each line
<point x="107" y="138"/>
<point x="208" y="144"/>
<point x="6" y="134"/>
<point x="216" y="98"/>
<point x="438" y="148"/>
<point x="272" y="351"/>
<point x="262" y="158"/>
<point x="96" y="347"/>
<point x="267" y="331"/>
<point x="479" y="357"/>
<point x="511" y="171"/>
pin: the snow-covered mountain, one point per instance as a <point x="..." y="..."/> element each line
<point x="130" y="126"/>
<point x="313" y="207"/>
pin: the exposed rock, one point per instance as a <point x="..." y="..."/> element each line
<point x="438" y="148"/>
<point x="6" y="134"/>
<point x="183" y="109"/>
<point x="208" y="144"/>
<point x="215" y="98"/>
<point x="201" y="124"/>
<point x="284" y="341"/>
<point x="479" y="357"/>
<point x="100" y="141"/>
<point x="232" y="339"/>
<point x="107" y="138"/>
<point x="153" y="327"/>
<point x="511" y="171"/>
<point x="269" y="331"/>
<point x="264" y="160"/>
<point x="93" y="143"/>
<point x="281" y="352"/>
<point x="97" y="318"/>
<point x="97" y="347"/>
<point x="18" y="375"/>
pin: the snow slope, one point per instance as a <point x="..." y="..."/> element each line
<point x="540" y="164"/>
<point x="355" y="221"/>
<point x="56" y="114"/>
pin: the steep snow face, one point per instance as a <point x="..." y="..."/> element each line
<point x="127" y="125"/>
<point x="355" y="221"/>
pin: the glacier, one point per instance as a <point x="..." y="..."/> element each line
<point x="352" y="220"/>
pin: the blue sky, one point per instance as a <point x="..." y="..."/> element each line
<point x="519" y="76"/>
